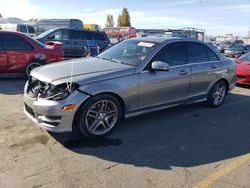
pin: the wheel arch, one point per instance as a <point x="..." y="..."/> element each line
<point x="118" y="97"/>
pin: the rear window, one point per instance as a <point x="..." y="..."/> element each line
<point x="14" y="42"/>
<point x="211" y="55"/>
<point x="196" y="52"/>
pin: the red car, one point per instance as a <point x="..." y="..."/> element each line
<point x="243" y="69"/>
<point x="19" y="54"/>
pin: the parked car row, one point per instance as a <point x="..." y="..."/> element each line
<point x="237" y="50"/>
<point x="227" y="44"/>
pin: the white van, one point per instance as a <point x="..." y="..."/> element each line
<point x="20" y="27"/>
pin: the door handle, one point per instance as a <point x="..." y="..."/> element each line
<point x="213" y="66"/>
<point x="183" y="72"/>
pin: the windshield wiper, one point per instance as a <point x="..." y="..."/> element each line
<point x="106" y="58"/>
<point x="121" y="62"/>
<point x="114" y="60"/>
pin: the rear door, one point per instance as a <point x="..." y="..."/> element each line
<point x="19" y="53"/>
<point x="205" y="67"/>
<point x="75" y="37"/>
<point x="165" y="87"/>
<point x="3" y="57"/>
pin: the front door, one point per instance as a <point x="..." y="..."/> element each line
<point x="165" y="87"/>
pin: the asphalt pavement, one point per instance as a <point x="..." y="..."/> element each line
<point x="186" y="146"/>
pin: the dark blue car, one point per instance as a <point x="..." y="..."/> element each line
<point x="77" y="42"/>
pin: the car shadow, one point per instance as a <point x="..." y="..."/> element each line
<point x="183" y="136"/>
<point x="12" y="86"/>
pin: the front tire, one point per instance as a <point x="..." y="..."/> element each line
<point x="217" y="94"/>
<point x="30" y="67"/>
<point x="98" y="116"/>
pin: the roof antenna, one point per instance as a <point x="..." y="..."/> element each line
<point x="69" y="84"/>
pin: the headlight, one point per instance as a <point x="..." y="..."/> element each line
<point x="59" y="92"/>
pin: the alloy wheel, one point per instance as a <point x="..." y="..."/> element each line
<point x="219" y="93"/>
<point x="101" y="117"/>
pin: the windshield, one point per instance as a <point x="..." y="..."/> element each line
<point x="227" y="42"/>
<point x="44" y="33"/>
<point x="245" y="57"/>
<point x="239" y="42"/>
<point x="131" y="52"/>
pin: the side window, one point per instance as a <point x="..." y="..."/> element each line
<point x="196" y="52"/>
<point x="61" y="34"/>
<point x="85" y="35"/>
<point x="22" y="28"/>
<point x="173" y="54"/>
<point x="211" y="55"/>
<point x="14" y="42"/>
<point x="31" y="29"/>
<point x="98" y="36"/>
<point x="75" y="35"/>
<point x="1" y="42"/>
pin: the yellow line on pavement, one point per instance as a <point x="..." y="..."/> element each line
<point x="223" y="171"/>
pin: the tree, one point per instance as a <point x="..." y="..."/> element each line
<point x="119" y="23"/>
<point x="33" y="20"/>
<point x="110" y="21"/>
<point x="124" y="18"/>
<point x="1" y="15"/>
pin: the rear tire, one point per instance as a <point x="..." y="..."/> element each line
<point x="30" y="67"/>
<point x="97" y="117"/>
<point x="217" y="94"/>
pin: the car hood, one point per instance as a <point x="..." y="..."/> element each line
<point x="81" y="71"/>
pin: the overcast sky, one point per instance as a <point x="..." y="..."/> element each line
<point x="215" y="16"/>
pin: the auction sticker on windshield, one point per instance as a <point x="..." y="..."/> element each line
<point x="145" y="44"/>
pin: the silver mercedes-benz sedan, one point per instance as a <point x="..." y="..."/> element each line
<point x="90" y="96"/>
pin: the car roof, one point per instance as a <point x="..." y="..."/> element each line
<point x="163" y="39"/>
<point x="76" y="29"/>
<point x="12" y="32"/>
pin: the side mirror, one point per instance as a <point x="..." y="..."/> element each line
<point x="160" y="66"/>
<point x="51" y="37"/>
